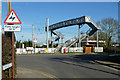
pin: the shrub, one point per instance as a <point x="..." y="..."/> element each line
<point x="111" y="50"/>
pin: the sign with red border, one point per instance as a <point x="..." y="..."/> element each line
<point x="35" y="39"/>
<point x="12" y="18"/>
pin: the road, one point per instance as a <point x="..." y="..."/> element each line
<point x="65" y="66"/>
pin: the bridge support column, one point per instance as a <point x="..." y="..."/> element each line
<point x="97" y="38"/>
<point x="51" y="40"/>
<point x="58" y="42"/>
<point x="47" y="33"/>
<point x="79" y="37"/>
<point x="87" y="41"/>
<point x="76" y="45"/>
<point x="62" y="40"/>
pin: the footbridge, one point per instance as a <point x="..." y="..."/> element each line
<point x="76" y="21"/>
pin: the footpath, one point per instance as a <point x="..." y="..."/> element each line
<point x="28" y="73"/>
<point x="112" y="65"/>
<point x="25" y="73"/>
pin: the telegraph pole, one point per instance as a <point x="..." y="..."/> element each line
<point x="0" y="40"/>
<point x="13" y="53"/>
<point x="9" y="34"/>
<point x="32" y="36"/>
<point x="47" y="33"/>
<point x="8" y="6"/>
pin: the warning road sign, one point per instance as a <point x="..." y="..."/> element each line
<point x="12" y="18"/>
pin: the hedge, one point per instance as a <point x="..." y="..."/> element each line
<point x="7" y="54"/>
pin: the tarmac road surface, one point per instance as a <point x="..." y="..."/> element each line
<point x="62" y="66"/>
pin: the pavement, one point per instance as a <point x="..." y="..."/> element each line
<point x="65" y="66"/>
<point x="30" y="73"/>
<point x="114" y="66"/>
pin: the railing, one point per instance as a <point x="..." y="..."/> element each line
<point x="74" y="40"/>
<point x="58" y="34"/>
<point x="88" y="31"/>
<point x="98" y="27"/>
<point x="5" y="67"/>
<point x="59" y="47"/>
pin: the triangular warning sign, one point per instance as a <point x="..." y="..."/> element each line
<point x="12" y="18"/>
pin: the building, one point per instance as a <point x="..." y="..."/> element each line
<point x="91" y="41"/>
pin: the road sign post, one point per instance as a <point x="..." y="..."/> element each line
<point x="35" y="40"/>
<point x="11" y="19"/>
<point x="13" y="55"/>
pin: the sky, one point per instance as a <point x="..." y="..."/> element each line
<point x="36" y="13"/>
<point x="63" y="0"/>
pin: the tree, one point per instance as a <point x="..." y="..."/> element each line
<point x="109" y="30"/>
<point x="26" y="43"/>
<point x="101" y="35"/>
